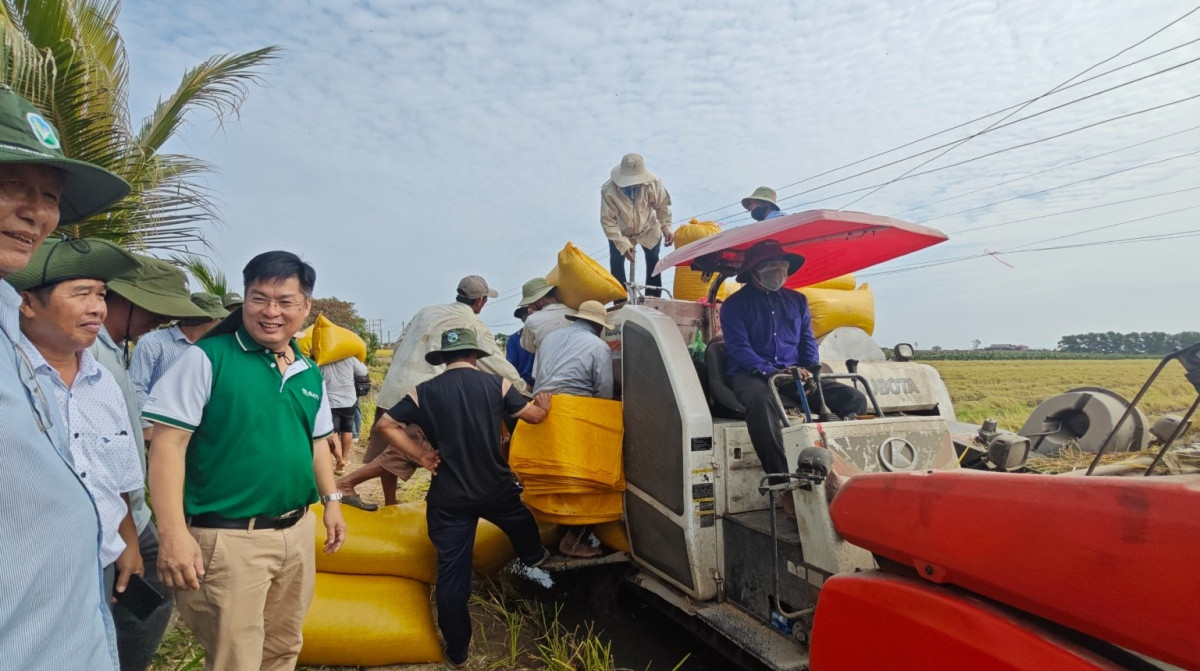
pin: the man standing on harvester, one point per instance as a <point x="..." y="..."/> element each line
<point x="635" y="211"/>
<point x="768" y="330"/>
<point x="460" y="411"/>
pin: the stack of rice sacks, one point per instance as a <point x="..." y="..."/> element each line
<point x="688" y="285"/>
<point x="371" y="605"/>
<point x="570" y="464"/>
<point x="835" y="303"/>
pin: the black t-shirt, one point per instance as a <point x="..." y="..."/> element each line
<point x="460" y="412"/>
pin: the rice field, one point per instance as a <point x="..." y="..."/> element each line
<point x="1008" y="391"/>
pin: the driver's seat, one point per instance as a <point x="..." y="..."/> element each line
<point x="718" y="384"/>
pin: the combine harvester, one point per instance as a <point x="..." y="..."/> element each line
<point x="898" y="558"/>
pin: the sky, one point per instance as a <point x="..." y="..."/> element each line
<point x="400" y="146"/>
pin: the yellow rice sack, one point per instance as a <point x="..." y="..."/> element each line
<point x="576" y="508"/>
<point x="579" y="278"/>
<point x="612" y="535"/>
<point x="326" y="342"/>
<point x="845" y="282"/>
<point x="833" y="308"/>
<point x="688" y="286"/>
<point x="580" y="439"/>
<point x="358" y="620"/>
<point x="394" y="540"/>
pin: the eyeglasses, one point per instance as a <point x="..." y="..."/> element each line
<point x="285" y="304"/>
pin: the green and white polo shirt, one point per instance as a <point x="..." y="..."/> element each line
<point x="252" y="428"/>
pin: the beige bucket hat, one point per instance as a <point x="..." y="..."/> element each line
<point x="764" y="193"/>
<point x="631" y="170"/>
<point x="593" y="312"/>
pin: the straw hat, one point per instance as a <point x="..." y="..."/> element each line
<point x="630" y="171"/>
<point x="455" y="340"/>
<point x="764" y="193"/>
<point x="765" y="251"/>
<point x="593" y="312"/>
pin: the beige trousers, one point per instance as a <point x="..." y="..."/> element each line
<point x="250" y="608"/>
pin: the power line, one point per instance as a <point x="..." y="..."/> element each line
<point x="999" y="123"/>
<point x="1076" y="210"/>
<point x="947" y="130"/>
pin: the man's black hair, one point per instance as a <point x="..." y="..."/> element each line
<point x="466" y="301"/>
<point x="459" y="355"/>
<point x="280" y="265"/>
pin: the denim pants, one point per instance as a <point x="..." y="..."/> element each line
<point x="616" y="264"/>
<point x="452" y="532"/>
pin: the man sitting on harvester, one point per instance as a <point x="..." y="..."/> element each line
<point x="768" y="330"/>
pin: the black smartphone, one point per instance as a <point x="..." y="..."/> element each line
<point x="139" y="597"/>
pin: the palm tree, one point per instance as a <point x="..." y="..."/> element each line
<point x="67" y="58"/>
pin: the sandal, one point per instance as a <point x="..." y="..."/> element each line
<point x="356" y="501"/>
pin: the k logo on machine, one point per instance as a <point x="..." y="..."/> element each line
<point x="897" y="454"/>
<point x="43" y="131"/>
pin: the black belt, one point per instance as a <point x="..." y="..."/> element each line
<point x="213" y="521"/>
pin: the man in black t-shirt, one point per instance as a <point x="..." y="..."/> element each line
<point x="461" y="411"/>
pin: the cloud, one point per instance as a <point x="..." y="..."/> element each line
<point x="400" y="146"/>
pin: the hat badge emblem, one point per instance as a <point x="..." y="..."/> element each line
<point x="451" y="338"/>
<point x="43" y="131"/>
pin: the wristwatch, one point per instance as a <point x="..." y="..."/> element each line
<point x="336" y="496"/>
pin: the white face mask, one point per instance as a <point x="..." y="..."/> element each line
<point x="771" y="276"/>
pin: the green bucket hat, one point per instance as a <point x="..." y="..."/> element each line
<point x="455" y="340"/>
<point x="210" y="303"/>
<point x="159" y="287"/>
<point x="764" y="193"/>
<point x="62" y="259"/>
<point x="231" y="300"/>
<point x="533" y="290"/>
<point x="27" y="137"/>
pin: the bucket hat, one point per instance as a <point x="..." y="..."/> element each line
<point x="210" y="303"/>
<point x="763" y="251"/>
<point x="231" y="300"/>
<point x="534" y="289"/>
<point x="455" y="340"/>
<point x="65" y="258"/>
<point x="27" y="137"/>
<point x="764" y="193"/>
<point x="594" y="312"/>
<point x="475" y="287"/>
<point x="159" y="287"/>
<point x="631" y="170"/>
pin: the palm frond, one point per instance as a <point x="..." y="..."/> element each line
<point x="210" y="279"/>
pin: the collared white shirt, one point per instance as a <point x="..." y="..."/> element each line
<point x="112" y="356"/>
<point x="153" y="355"/>
<point x="101" y="440"/>
<point x="423" y="335"/>
<point x="52" y="613"/>
<point x="339" y="381"/>
<point x="542" y="323"/>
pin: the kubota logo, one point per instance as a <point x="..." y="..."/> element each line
<point x="894" y="385"/>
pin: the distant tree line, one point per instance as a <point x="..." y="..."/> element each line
<point x="1148" y="342"/>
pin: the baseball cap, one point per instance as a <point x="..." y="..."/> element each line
<point x="475" y="287"/>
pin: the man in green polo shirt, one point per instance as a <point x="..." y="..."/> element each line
<point x="240" y="425"/>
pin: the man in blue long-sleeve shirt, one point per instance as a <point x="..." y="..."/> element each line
<point x="768" y="329"/>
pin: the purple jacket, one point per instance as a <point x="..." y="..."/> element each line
<point x="767" y="330"/>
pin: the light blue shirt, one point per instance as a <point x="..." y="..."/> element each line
<point x="112" y="356"/>
<point x="574" y="361"/>
<point x="52" y="613"/>
<point x="153" y="355"/>
<point x="101" y="440"/>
